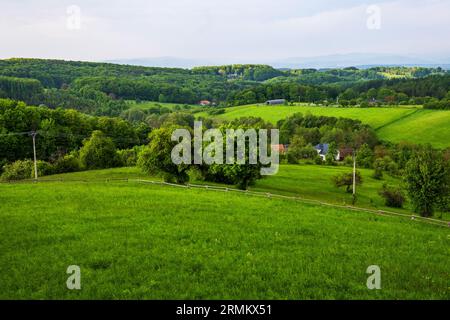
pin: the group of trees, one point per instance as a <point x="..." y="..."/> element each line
<point x="68" y="139"/>
<point x="156" y="158"/>
<point x="99" y="88"/>
<point x="443" y="104"/>
<point x="365" y="94"/>
<point x="68" y="82"/>
<point x="85" y="99"/>
<point x="303" y="132"/>
<point x="59" y="131"/>
<point x="352" y="75"/>
<point x="250" y="72"/>
<point x="59" y="73"/>
<point x="177" y="88"/>
<point x="97" y="152"/>
<point x="28" y="90"/>
<point x="425" y="179"/>
<point x="425" y="175"/>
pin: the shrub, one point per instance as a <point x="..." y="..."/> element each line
<point x="393" y="197"/>
<point x="386" y="164"/>
<point x="3" y="162"/>
<point x="128" y="157"/>
<point x="364" y="156"/>
<point x="67" y="163"/>
<point x="377" y="173"/>
<point x="378" y="169"/>
<point x="348" y="161"/>
<point x="43" y="169"/>
<point x="18" y="170"/>
<point x="292" y="158"/>
<point x="346" y="180"/>
<point x="330" y="157"/>
<point x="216" y="111"/>
<point x="427" y="178"/>
<point x="156" y="157"/>
<point x="98" y="152"/>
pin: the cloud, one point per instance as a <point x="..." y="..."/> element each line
<point x="244" y="29"/>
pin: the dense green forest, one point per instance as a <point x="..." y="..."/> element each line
<point x="100" y="88"/>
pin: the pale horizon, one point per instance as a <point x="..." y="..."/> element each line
<point x="235" y="31"/>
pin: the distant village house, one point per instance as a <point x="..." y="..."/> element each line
<point x="205" y="103"/>
<point x="323" y="148"/>
<point x="281" y="148"/>
<point x="275" y="102"/>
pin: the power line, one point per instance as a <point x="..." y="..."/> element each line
<point x="67" y="135"/>
<point x="16" y="133"/>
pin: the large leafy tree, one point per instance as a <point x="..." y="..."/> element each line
<point x="427" y="179"/>
<point x="156" y="158"/>
<point x="346" y="180"/>
<point x="98" y="152"/>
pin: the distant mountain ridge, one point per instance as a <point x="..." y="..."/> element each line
<point x="360" y="60"/>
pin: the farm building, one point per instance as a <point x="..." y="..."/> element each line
<point x="205" y="103"/>
<point x="275" y="102"/>
<point x="281" y="148"/>
<point x="344" y="153"/>
<point x="322" y="150"/>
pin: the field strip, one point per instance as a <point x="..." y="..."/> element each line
<point x="442" y="223"/>
<point x="397" y="120"/>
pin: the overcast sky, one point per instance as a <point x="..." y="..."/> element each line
<point x="221" y="29"/>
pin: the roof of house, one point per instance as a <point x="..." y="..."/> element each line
<point x="279" y="147"/>
<point x="276" y="101"/>
<point x="322" y="148"/>
<point x="344" y="152"/>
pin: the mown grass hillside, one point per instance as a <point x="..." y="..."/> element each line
<point x="376" y="117"/>
<point x="310" y="182"/>
<point x="423" y="126"/>
<point x="394" y="124"/>
<point x="137" y="241"/>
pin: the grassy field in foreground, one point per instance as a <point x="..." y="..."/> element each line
<point x="393" y="124"/>
<point x="135" y="241"/>
<point x="306" y="181"/>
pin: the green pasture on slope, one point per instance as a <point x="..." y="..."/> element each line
<point x="395" y="124"/>
<point x="140" y="241"/>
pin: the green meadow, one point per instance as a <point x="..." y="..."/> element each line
<point x="424" y="126"/>
<point x="396" y="124"/>
<point x="310" y="182"/>
<point x="376" y="117"/>
<point x="136" y="241"/>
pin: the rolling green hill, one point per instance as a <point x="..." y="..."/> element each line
<point x="423" y="126"/>
<point x="397" y="124"/>
<point x="306" y="181"/>
<point x="135" y="241"/>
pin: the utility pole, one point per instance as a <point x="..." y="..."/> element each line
<point x="33" y="134"/>
<point x="354" y="177"/>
